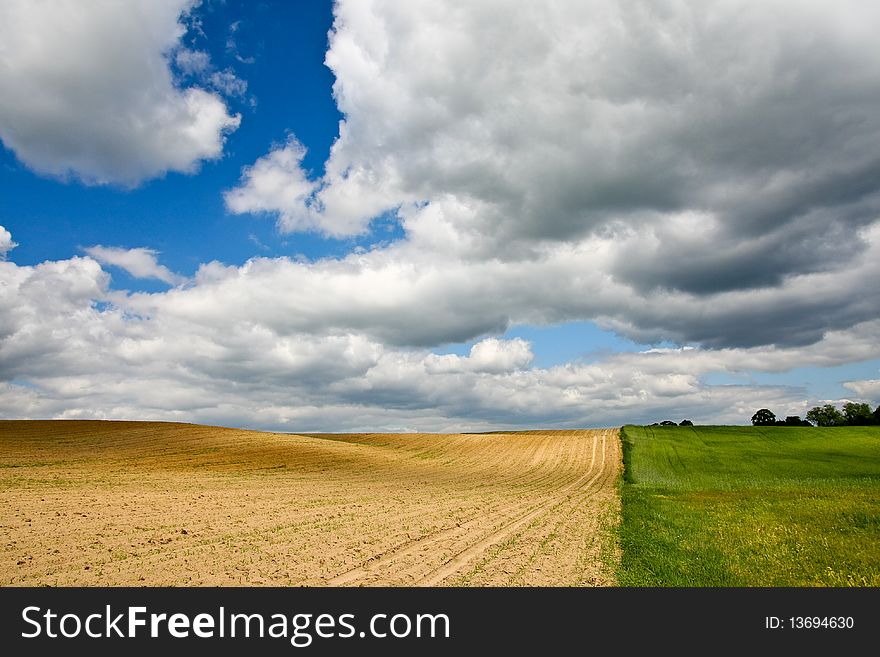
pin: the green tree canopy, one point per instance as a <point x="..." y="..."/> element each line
<point x="764" y="418"/>
<point x="857" y="414"/>
<point x="826" y="416"/>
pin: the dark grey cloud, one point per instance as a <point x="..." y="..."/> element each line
<point x="714" y="258"/>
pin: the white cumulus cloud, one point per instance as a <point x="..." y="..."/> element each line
<point x="6" y="243"/>
<point x="140" y="262"/>
<point x="276" y="183"/>
<point x="865" y="389"/>
<point x="86" y="91"/>
<point x="491" y="356"/>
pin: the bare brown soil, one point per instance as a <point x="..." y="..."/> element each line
<point x="137" y="503"/>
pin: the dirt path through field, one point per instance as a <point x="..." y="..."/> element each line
<point x="116" y="503"/>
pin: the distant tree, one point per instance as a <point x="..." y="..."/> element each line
<point x="876" y="415"/>
<point x="667" y="423"/>
<point x="858" y="415"/>
<point x="826" y="416"/>
<point x="763" y="418"/>
<point x="793" y="421"/>
<point x="685" y="423"/>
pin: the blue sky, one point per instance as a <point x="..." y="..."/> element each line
<point x="506" y="227"/>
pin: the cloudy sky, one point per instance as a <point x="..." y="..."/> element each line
<point x="438" y="214"/>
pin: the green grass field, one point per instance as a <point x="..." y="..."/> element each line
<point x="750" y="506"/>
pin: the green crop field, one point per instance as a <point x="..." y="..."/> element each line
<point x="750" y="506"/>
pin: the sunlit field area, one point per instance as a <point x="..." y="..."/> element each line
<point x="137" y="503"/>
<point x="751" y="506"/>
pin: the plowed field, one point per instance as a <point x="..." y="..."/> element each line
<point x="136" y="503"/>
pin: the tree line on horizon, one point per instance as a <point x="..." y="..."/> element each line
<point x="853" y="415"/>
